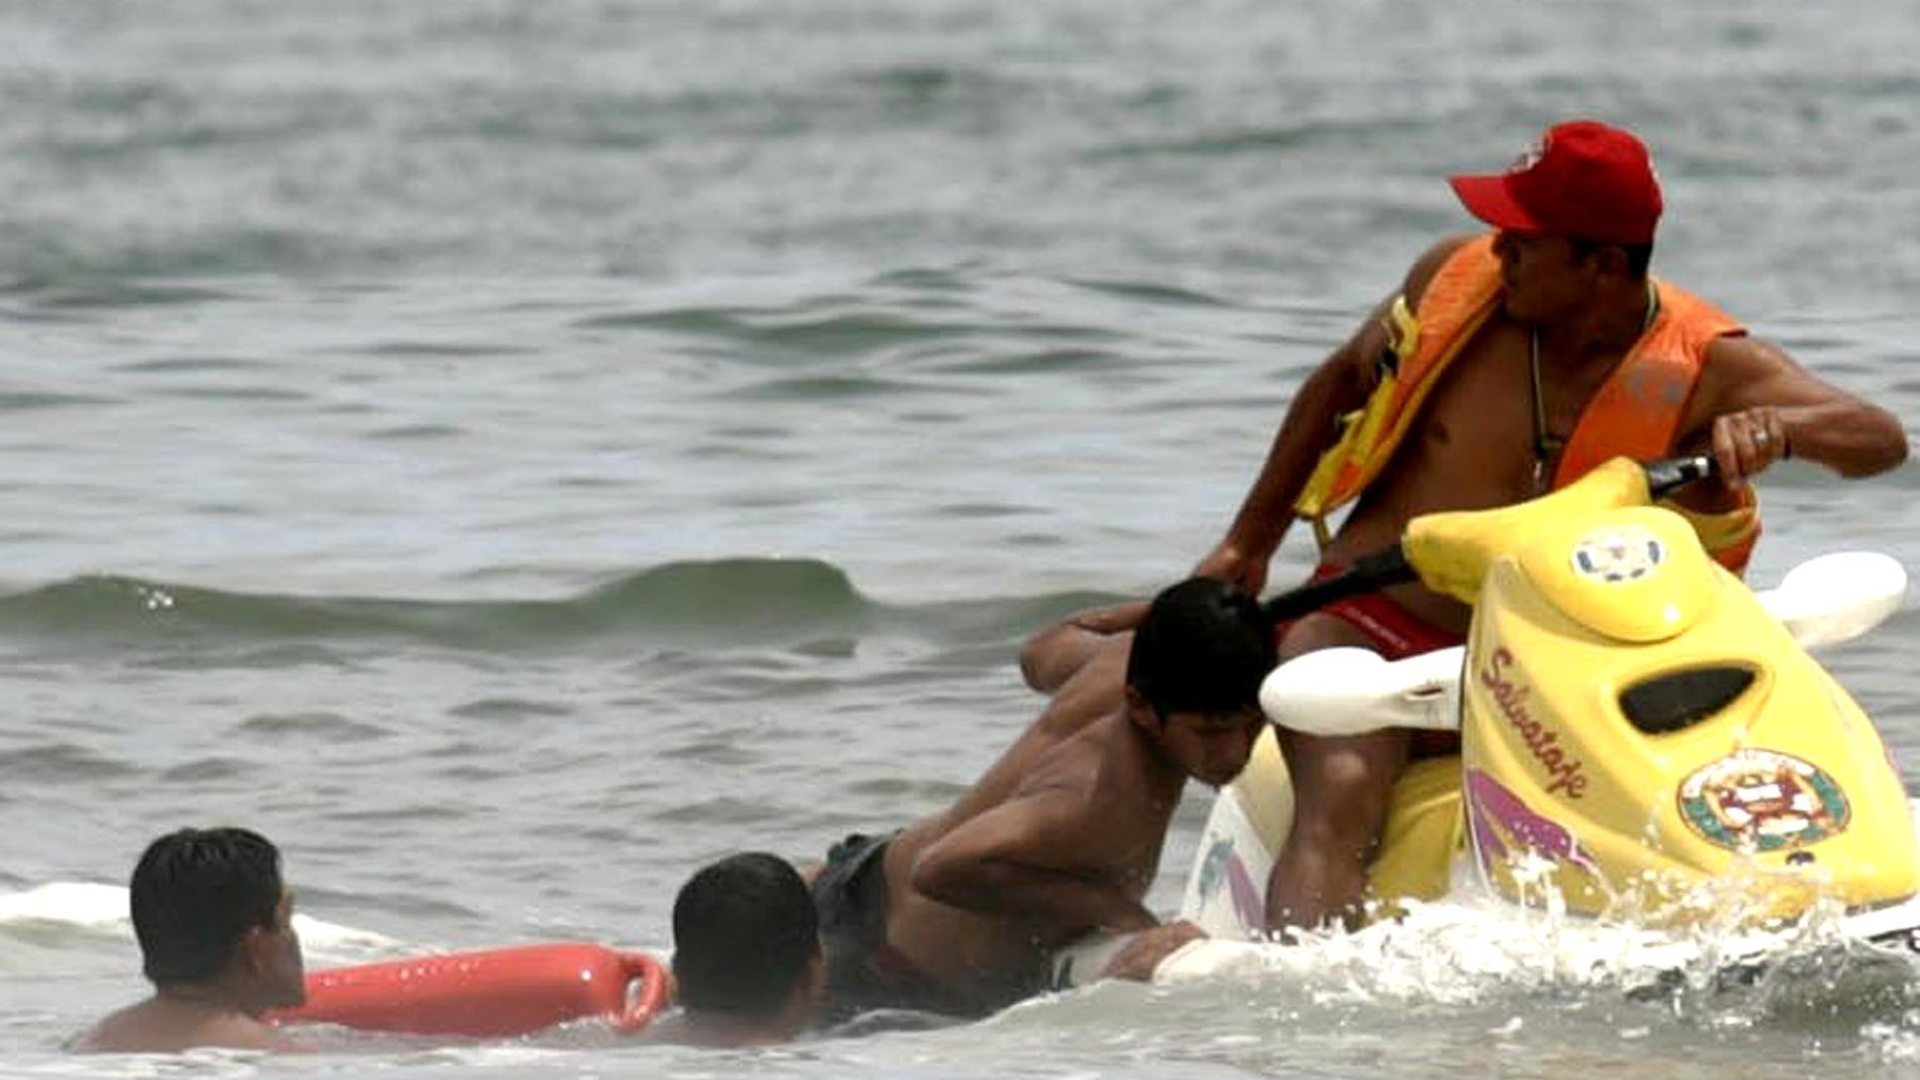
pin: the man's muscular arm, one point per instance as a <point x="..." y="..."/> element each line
<point x="1026" y="860"/>
<point x="1338" y="386"/>
<point x="1755" y="406"/>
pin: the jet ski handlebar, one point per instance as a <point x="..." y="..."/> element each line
<point x="1667" y="474"/>
<point x="1389" y="566"/>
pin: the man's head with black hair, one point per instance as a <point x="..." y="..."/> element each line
<point x="215" y="926"/>
<point x="197" y="895"/>
<point x="746" y="941"/>
<point x="1194" y="674"/>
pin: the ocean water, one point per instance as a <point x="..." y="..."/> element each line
<point x="514" y="453"/>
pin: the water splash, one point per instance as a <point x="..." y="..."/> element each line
<point x="1474" y="946"/>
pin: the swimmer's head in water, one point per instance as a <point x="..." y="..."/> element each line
<point x="210" y="903"/>
<point x="745" y="936"/>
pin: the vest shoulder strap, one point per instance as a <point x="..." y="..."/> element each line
<point x="1637" y="411"/>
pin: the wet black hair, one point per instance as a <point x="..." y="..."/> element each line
<point x="194" y="893"/>
<point x="744" y="933"/>
<point x="1204" y="647"/>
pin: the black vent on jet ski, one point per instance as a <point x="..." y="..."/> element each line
<point x="1684" y="698"/>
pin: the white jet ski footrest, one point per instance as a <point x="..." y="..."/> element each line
<point x="1349" y="691"/>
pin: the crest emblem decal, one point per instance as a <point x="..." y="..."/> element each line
<point x="1760" y="800"/>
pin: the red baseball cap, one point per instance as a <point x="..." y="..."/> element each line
<point x="1585" y="180"/>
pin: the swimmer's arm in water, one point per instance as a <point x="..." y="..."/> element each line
<point x="1026" y="860"/>
<point x="1055" y="654"/>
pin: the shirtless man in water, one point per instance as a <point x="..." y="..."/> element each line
<point x="961" y="912"/>
<point x="1542" y="350"/>
<point x="215" y="928"/>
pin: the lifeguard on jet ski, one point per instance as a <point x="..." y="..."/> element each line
<point x="1643" y="738"/>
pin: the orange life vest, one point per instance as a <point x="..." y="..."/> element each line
<point x="1635" y="413"/>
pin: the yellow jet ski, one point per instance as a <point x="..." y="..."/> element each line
<point x="1643" y="738"/>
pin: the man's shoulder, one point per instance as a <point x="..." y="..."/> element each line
<point x="1733" y="358"/>
<point x="1072" y="756"/>
<point x="148" y="1027"/>
<point x="1730" y="367"/>
<point x="116" y="1032"/>
<point x="1087" y="723"/>
<point x="1094" y="688"/>
<point x="1427" y="266"/>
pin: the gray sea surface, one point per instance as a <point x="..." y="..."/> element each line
<point x="513" y="453"/>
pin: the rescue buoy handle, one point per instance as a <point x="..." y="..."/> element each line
<point x="648" y="988"/>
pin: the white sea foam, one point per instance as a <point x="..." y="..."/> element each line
<point x="98" y="907"/>
<point x="1462" y="949"/>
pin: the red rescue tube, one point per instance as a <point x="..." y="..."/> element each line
<point x="495" y="992"/>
